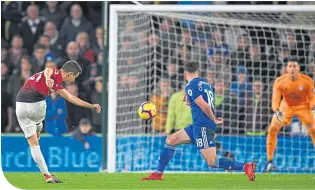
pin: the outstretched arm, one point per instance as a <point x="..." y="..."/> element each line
<point x="77" y="101"/>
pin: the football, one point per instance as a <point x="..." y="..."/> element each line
<point x="147" y="110"/>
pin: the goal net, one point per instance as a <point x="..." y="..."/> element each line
<point x="240" y="54"/>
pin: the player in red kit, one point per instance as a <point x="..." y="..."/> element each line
<point x="31" y="106"/>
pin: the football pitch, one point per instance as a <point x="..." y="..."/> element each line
<point x="171" y="181"/>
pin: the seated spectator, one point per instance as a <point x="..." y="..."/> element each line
<point x="218" y="44"/>
<point x="45" y="41"/>
<point x="94" y="69"/>
<point x="16" y="81"/>
<point x="178" y="113"/>
<point x="74" y="24"/>
<point x="39" y="58"/>
<point x="160" y="99"/>
<point x="4" y="76"/>
<point x="75" y="113"/>
<point x="56" y="44"/>
<point x="238" y="58"/>
<point x="6" y="112"/>
<point x="52" y="13"/>
<point x="31" y="28"/>
<point x="311" y="69"/>
<point x="98" y="45"/>
<point x="16" y="52"/>
<point x="258" y="109"/>
<point x="242" y="86"/>
<point x="226" y="107"/>
<point x="51" y="64"/>
<point x="6" y="105"/>
<point x="84" y="46"/>
<point x="96" y="98"/>
<point x="73" y="54"/>
<point x="55" y="121"/>
<point x="172" y="70"/>
<point x="257" y="63"/>
<point x="85" y="129"/>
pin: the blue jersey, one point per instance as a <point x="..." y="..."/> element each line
<point x="195" y="88"/>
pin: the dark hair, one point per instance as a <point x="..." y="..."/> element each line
<point x="72" y="66"/>
<point x="293" y="59"/>
<point x="191" y="66"/>
<point x="39" y="46"/>
<point x="44" y="36"/>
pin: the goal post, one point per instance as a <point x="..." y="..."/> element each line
<point x="145" y="74"/>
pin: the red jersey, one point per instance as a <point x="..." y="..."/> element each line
<point x="35" y="88"/>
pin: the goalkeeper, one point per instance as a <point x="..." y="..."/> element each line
<point x="200" y="96"/>
<point x="298" y="94"/>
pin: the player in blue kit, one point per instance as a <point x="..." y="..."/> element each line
<point x="199" y="95"/>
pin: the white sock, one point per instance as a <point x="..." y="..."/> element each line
<point x="39" y="159"/>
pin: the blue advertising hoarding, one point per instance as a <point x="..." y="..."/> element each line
<point x="141" y="153"/>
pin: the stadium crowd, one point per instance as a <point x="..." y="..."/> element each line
<point x="47" y="34"/>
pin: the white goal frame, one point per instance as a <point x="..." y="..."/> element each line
<point x="113" y="42"/>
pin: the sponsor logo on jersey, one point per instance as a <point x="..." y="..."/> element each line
<point x="200" y="85"/>
<point x="300" y="88"/>
<point x="189" y="92"/>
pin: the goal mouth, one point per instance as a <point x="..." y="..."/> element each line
<point x="241" y="51"/>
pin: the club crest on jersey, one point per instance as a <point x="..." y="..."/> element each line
<point x="56" y="72"/>
<point x="200" y="86"/>
<point x="300" y="88"/>
<point x="189" y="92"/>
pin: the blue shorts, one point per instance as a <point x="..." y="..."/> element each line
<point x="203" y="137"/>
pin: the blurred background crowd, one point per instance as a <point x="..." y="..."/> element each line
<point x="36" y="35"/>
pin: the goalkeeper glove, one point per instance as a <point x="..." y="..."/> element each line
<point x="279" y="115"/>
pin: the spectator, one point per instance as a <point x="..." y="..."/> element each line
<point x="211" y="76"/>
<point x="160" y="99"/>
<point x="16" y="52"/>
<point x="4" y="76"/>
<point x="52" y="13"/>
<point x="45" y="41"/>
<point x="98" y="45"/>
<point x="175" y="79"/>
<point x="258" y="109"/>
<point x="50" y="64"/>
<point x="238" y="58"/>
<point x="73" y="54"/>
<point x="31" y="28"/>
<point x="84" y="46"/>
<point x="96" y="98"/>
<point x="186" y="38"/>
<point x="11" y="14"/>
<point x="218" y="44"/>
<point x="39" y="59"/>
<point x="16" y="81"/>
<point x="75" y="113"/>
<point x="56" y="44"/>
<point x="6" y="112"/>
<point x="94" y="70"/>
<point x="275" y="64"/>
<point x="257" y="63"/>
<point x="74" y="24"/>
<point x="242" y="86"/>
<point x="226" y="107"/>
<point x="220" y="66"/>
<point x="178" y="113"/>
<point x="85" y="129"/>
<point x="311" y="69"/>
<point x="6" y="105"/>
<point x="94" y="9"/>
<point x="55" y="122"/>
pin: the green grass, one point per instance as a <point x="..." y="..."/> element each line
<point x="171" y="181"/>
